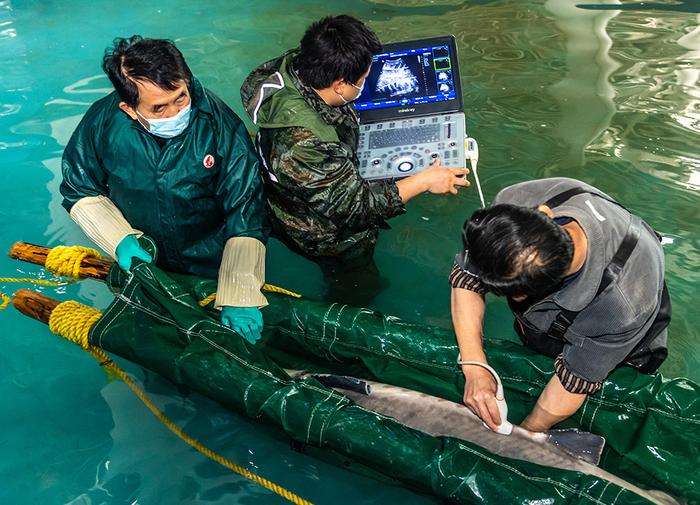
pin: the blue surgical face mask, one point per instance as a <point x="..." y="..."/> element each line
<point x="169" y="127"/>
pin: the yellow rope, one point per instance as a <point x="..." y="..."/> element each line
<point x="269" y="288"/>
<point x="73" y="320"/>
<point x="65" y="260"/>
<point x="62" y="261"/>
<point x="276" y="289"/>
<point x="42" y="282"/>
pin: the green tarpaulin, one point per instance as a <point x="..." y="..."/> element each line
<point x="652" y="425"/>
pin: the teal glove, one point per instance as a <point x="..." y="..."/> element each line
<point x="129" y="249"/>
<point x="246" y="321"/>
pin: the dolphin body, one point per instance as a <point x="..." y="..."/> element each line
<point x="439" y="417"/>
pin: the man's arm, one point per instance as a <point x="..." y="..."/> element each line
<point x="553" y="406"/>
<point x="240" y="191"/>
<point x="580" y="370"/>
<point x="468" y="309"/>
<point x="434" y="179"/>
<point x="85" y="192"/>
<point x="81" y="166"/>
<point x="326" y="177"/>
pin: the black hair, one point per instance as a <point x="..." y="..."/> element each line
<point x="517" y="250"/>
<point x="138" y="59"/>
<point x="336" y="47"/>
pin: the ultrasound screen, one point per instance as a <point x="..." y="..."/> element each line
<point x="408" y="77"/>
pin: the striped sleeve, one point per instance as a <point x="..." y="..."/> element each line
<point x="460" y="278"/>
<point x="573" y="383"/>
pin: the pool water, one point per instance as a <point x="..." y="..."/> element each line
<point x="606" y="93"/>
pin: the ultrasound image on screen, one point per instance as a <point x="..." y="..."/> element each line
<point x="407" y="77"/>
<point x="441" y="52"/>
<point x="397" y="78"/>
<point x="442" y="63"/>
<point x="444" y="75"/>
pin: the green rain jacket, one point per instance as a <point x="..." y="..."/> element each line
<point x="187" y="204"/>
<point x="319" y="204"/>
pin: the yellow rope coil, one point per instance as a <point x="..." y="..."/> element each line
<point x="65" y="260"/>
<point x="268" y="288"/>
<point x="73" y="320"/>
<point x="62" y="261"/>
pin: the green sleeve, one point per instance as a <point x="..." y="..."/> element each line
<point x="83" y="173"/>
<point x="239" y="185"/>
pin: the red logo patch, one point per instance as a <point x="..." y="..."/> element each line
<point x="208" y="161"/>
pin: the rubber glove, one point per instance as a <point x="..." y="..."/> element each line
<point x="128" y="249"/>
<point x="246" y="321"/>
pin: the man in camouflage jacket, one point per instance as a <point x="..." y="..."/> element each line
<point x="307" y="139"/>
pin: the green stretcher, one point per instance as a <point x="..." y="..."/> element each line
<point x="652" y="425"/>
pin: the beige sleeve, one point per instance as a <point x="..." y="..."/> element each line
<point x="242" y="274"/>
<point x="102" y="221"/>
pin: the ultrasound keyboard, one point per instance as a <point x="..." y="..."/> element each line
<point x="404" y="147"/>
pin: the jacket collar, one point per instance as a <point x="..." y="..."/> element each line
<point x="200" y="100"/>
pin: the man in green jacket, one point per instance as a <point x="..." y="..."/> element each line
<point x="308" y="133"/>
<point x="163" y="156"/>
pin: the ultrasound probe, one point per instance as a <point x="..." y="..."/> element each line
<point x="473" y="155"/>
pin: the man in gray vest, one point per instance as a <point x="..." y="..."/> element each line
<point x="584" y="279"/>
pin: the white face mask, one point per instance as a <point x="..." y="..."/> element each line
<point x="360" y="88"/>
<point x="169" y="127"/>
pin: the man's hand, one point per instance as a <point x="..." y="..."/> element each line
<point x="434" y="179"/>
<point x="480" y="395"/>
<point x="127" y="250"/>
<point x="440" y="180"/>
<point x="246" y="321"/>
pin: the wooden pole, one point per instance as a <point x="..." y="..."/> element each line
<point x="34" y="305"/>
<point x="95" y="268"/>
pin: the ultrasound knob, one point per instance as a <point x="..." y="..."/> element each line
<point x="405" y="166"/>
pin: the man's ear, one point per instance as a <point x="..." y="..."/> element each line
<point x="546" y="210"/>
<point x="128" y="110"/>
<point x="338" y="86"/>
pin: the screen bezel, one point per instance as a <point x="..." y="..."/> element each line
<point x="423" y="109"/>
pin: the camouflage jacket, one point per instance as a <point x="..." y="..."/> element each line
<point x="320" y="206"/>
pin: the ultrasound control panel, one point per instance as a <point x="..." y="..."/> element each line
<point x="404" y="147"/>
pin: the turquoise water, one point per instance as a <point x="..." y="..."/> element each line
<point x="550" y="89"/>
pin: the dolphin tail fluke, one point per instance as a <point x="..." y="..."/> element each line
<point x="580" y="444"/>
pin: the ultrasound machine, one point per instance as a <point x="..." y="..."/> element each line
<point x="411" y="110"/>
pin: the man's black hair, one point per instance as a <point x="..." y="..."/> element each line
<point x="138" y="59"/>
<point x="517" y="250"/>
<point x="336" y="47"/>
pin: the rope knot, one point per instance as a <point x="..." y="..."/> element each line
<point x="65" y="261"/>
